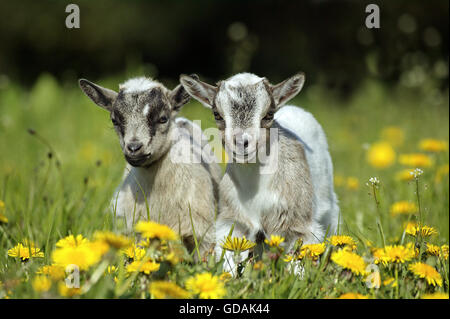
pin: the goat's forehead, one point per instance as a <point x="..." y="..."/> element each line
<point x="243" y="97"/>
<point x="153" y="100"/>
<point x="243" y="79"/>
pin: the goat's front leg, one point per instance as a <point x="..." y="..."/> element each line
<point x="295" y="266"/>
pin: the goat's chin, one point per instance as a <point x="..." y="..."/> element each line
<point x="142" y="161"/>
<point x="247" y="158"/>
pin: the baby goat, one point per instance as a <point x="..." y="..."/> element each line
<point x="274" y="186"/>
<point x="156" y="178"/>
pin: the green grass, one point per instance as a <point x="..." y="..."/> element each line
<point x="59" y="181"/>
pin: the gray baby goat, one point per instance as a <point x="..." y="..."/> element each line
<point x="143" y="114"/>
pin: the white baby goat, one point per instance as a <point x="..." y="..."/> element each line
<point x="143" y="114"/>
<point x="289" y="193"/>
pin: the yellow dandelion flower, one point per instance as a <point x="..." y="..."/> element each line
<point x="381" y="155"/>
<point x="99" y="247"/>
<point x="411" y="228"/>
<point x="405" y="175"/>
<point x="84" y="256"/>
<point x="441" y="172"/>
<point x="3" y="218"/>
<point x="390" y="281"/>
<point x="151" y="229"/>
<point x="394" y="254"/>
<point x="274" y="241"/>
<point x="349" y="260"/>
<point x="206" y="286"/>
<point x="433" y="145"/>
<point x="112" y="270"/>
<point x="168" y="290"/>
<point x="259" y="265"/>
<point x="352" y="183"/>
<point x="444" y="252"/>
<point x="352" y="295"/>
<point x="414" y="230"/>
<point x="113" y="240"/>
<point x="288" y="258"/>
<point x="436" y="295"/>
<point x="415" y="160"/>
<point x="41" y="284"/>
<point x="433" y="250"/>
<point x="237" y="243"/>
<point x="393" y="135"/>
<point x="173" y="257"/>
<point x="427" y="272"/>
<point x="428" y="231"/>
<point x="134" y="252"/>
<point x="65" y="291"/>
<point x="312" y="251"/>
<point x="54" y="271"/>
<point x="403" y="208"/>
<point x="342" y="240"/>
<point x="225" y="276"/>
<point x="144" y="243"/>
<point x="25" y="251"/>
<point x="72" y="241"/>
<point x="146" y="266"/>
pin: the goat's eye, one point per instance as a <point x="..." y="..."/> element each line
<point x="163" y="119"/>
<point x="269" y="116"/>
<point x="217" y="116"/>
<point x="114" y="121"/>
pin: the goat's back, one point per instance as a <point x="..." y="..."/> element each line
<point x="309" y="132"/>
<point x="190" y="133"/>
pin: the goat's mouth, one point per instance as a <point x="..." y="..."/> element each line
<point x="246" y="157"/>
<point x="137" y="161"/>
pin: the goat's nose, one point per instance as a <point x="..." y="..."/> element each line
<point x="241" y="142"/>
<point x="134" y="147"/>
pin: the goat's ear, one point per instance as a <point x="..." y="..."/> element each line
<point x="101" y="96"/>
<point x="179" y="97"/>
<point x="286" y="90"/>
<point x="201" y="91"/>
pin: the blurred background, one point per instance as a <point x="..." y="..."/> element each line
<point x="381" y="95"/>
<point x="326" y="39"/>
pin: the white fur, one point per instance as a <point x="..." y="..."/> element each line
<point x="325" y="210"/>
<point x="242" y="79"/>
<point x="136" y="85"/>
<point x="120" y="203"/>
<point x="310" y="133"/>
<point x="146" y="109"/>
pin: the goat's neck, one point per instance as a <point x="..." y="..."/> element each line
<point x="254" y="176"/>
<point x="249" y="177"/>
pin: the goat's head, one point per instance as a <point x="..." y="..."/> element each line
<point x="142" y="113"/>
<point x="244" y="106"/>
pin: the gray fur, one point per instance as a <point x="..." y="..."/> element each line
<point x="169" y="188"/>
<point x="296" y="200"/>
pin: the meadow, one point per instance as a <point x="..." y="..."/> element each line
<point x="60" y="162"/>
